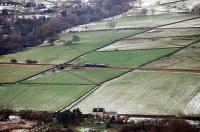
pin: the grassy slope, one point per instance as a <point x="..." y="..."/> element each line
<point x="40" y="97"/>
<point x="60" y="54"/>
<point x="16" y="73"/>
<point x="192" y="23"/>
<point x="79" y="76"/>
<point x="148" y="44"/>
<point x="186" y="58"/>
<point x="159" y="32"/>
<point x="145" y="93"/>
<point x="124" y="58"/>
<point x="141" y="21"/>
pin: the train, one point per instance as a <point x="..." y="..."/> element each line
<point x="95" y="65"/>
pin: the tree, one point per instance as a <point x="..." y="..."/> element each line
<point x="28" y="61"/>
<point x="140" y="2"/>
<point x="111" y="24"/>
<point x="153" y="10"/>
<point x="143" y="11"/>
<point x="85" y="27"/>
<point x="75" y="39"/>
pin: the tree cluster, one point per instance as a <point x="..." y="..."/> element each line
<point x="69" y="117"/>
<point x="160" y="126"/>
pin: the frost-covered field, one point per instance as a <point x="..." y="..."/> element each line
<point x="188" y="58"/>
<point x="136" y="22"/>
<point x="191" y="23"/>
<point x="151" y="39"/>
<point x="145" y="93"/>
<point x="136" y="44"/>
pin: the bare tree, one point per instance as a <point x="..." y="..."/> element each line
<point x="140" y="2"/>
<point x="153" y="10"/>
<point x="143" y="11"/>
<point x="111" y="24"/>
<point x="85" y="27"/>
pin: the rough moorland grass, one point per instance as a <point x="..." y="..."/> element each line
<point x="78" y="76"/>
<point x="40" y="97"/>
<point x="16" y="73"/>
<point x="188" y="58"/>
<point x="191" y="23"/>
<point x="160" y="32"/>
<point x="159" y="93"/>
<point x="135" y="44"/>
<point x="59" y="54"/>
<point x="124" y="58"/>
<point x="139" y="21"/>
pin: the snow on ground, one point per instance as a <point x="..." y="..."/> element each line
<point x="193" y="107"/>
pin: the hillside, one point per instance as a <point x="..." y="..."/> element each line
<point x="147" y="65"/>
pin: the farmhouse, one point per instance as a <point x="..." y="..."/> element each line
<point x="59" y="43"/>
<point x="101" y="112"/>
<point x="98" y="112"/>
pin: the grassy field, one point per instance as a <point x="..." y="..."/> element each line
<point x="78" y="76"/>
<point x="145" y="93"/>
<point x="16" y="73"/>
<point x="123" y="58"/>
<point x="139" y="21"/>
<point x="60" y="54"/>
<point x="135" y="44"/>
<point x="159" y="32"/>
<point x="40" y="97"/>
<point x="191" y="23"/>
<point x="188" y="58"/>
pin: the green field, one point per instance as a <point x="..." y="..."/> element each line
<point x="139" y="21"/>
<point x="161" y="93"/>
<point x="151" y="43"/>
<point x="188" y="58"/>
<point x="40" y="97"/>
<point x="137" y="92"/>
<point x="60" y="54"/>
<point x="78" y="76"/>
<point x="124" y="58"/>
<point x="16" y="73"/>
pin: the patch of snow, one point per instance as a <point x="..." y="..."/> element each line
<point x="193" y="107"/>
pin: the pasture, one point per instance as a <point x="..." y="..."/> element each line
<point x="40" y="97"/>
<point x="13" y="73"/>
<point x="136" y="92"/>
<point x="137" y="21"/>
<point x="192" y="23"/>
<point x="154" y="93"/>
<point x="61" y="54"/>
<point x="188" y="58"/>
<point x="149" y="43"/>
<point x="124" y="58"/>
<point x="78" y="76"/>
<point x="164" y="33"/>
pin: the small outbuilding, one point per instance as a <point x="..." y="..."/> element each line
<point x="59" y="43"/>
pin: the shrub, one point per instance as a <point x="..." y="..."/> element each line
<point x="31" y="61"/>
<point x="160" y="126"/>
<point x="13" y="61"/>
